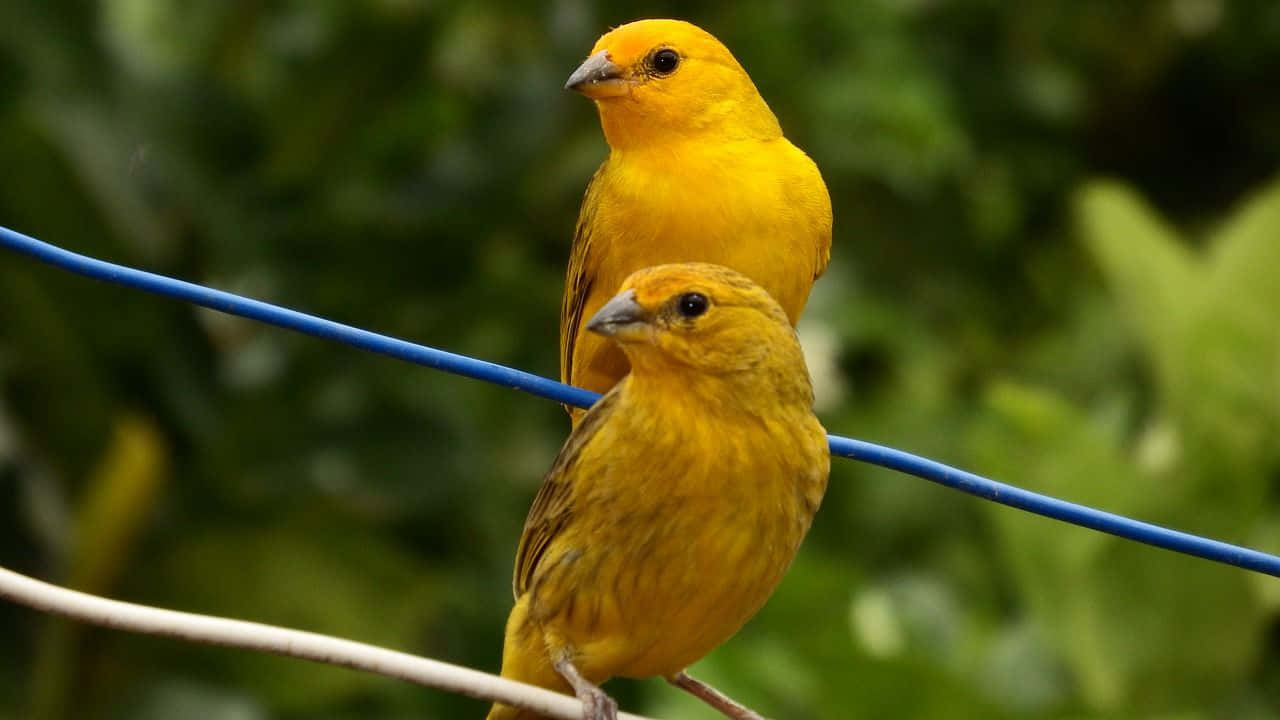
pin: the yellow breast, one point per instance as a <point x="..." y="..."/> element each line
<point x="705" y="538"/>
<point x="760" y="208"/>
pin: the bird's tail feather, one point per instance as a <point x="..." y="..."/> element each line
<point x="524" y="658"/>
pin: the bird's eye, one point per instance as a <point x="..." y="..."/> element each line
<point x="693" y="304"/>
<point x="664" y="61"/>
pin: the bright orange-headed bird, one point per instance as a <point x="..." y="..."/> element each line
<point x="698" y="170"/>
<point x="678" y="501"/>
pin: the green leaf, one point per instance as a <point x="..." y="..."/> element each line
<point x="1210" y="328"/>
<point x="1155" y="278"/>
<point x="1138" y="626"/>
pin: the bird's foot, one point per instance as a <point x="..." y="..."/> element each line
<point x="713" y="697"/>
<point x="596" y="704"/>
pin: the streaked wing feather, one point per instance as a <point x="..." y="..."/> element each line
<point x="551" y="507"/>
<point x="579" y="276"/>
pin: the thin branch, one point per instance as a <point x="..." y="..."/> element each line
<point x="282" y="641"/>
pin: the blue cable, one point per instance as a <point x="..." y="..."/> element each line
<point x="937" y="472"/>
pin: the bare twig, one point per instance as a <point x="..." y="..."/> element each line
<point x="282" y="641"/>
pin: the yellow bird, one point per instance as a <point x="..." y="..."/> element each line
<point x="698" y="171"/>
<point x="680" y="499"/>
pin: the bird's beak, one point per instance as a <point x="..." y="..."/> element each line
<point x="621" y="318"/>
<point x="597" y="77"/>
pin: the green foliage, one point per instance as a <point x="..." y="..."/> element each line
<point x="415" y="168"/>
<point x="317" y="581"/>
<point x="1109" y="605"/>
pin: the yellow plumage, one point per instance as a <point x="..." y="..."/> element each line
<point x="680" y="499"/>
<point x="698" y="170"/>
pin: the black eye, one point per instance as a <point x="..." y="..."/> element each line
<point x="692" y="304"/>
<point x="664" y="61"/>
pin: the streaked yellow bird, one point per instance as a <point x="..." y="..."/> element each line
<point x="680" y="499"/>
<point x="698" y="170"/>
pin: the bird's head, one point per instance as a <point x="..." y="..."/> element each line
<point x="659" y="79"/>
<point x="689" y="320"/>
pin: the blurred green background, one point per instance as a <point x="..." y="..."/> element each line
<point x="415" y="168"/>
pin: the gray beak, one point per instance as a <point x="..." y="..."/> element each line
<point x="595" y="70"/>
<point x="620" y="312"/>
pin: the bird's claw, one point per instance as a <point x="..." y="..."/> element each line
<point x="597" y="705"/>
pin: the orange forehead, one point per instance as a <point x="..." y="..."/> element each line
<point x="655" y="285"/>
<point x="628" y="43"/>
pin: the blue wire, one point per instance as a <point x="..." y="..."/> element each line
<point x="937" y="472"/>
